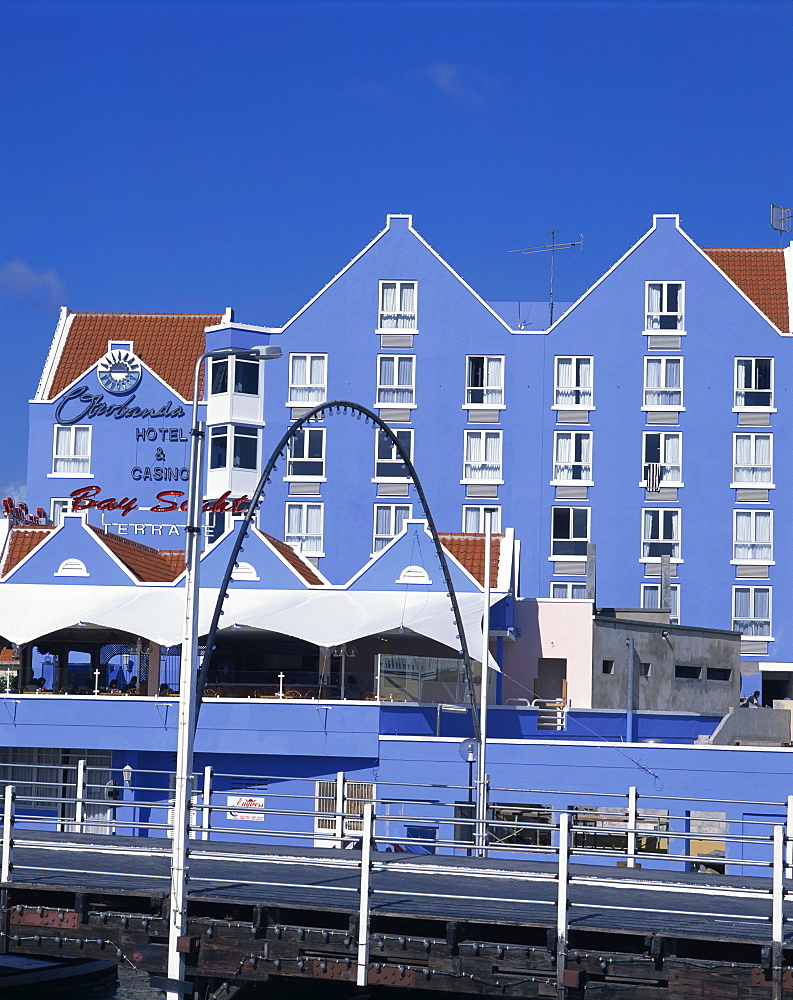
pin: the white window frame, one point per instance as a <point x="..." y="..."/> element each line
<point x="649" y="540"/>
<point x="736" y="561"/>
<point x="480" y="510"/>
<point x="384" y="388"/>
<point x="570" y="557"/>
<point x="646" y="588"/>
<point x="486" y="387"/>
<point x="752" y="636"/>
<point x="760" y="484"/>
<point x="300" y="545"/>
<point x="650" y="316"/>
<point x="557" y="480"/>
<point x="575" y="388"/>
<point x="395" y="459"/>
<point x="496" y="480"/>
<point x="320" y="389"/>
<point x="291" y="458"/>
<point x="230" y="432"/>
<point x="663" y="387"/>
<point x="392" y="533"/>
<point x="59" y="508"/>
<point x="556" y="588"/>
<point x="741" y="407"/>
<point x="664" y="481"/>
<point x="399" y="282"/>
<point x="231" y="361"/>
<point x="66" y="456"/>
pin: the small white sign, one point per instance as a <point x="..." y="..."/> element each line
<point x="246" y="802"/>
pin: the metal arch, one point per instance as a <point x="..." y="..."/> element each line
<point x="256" y="498"/>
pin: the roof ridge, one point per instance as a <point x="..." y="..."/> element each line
<point x="751" y="249"/>
<point x="126" y="540"/>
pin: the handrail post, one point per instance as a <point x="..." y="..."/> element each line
<point x="338" y="828"/>
<point x="8" y="832"/>
<point x="777" y="917"/>
<point x="206" y="801"/>
<point x="363" y="909"/>
<point x="632" y="818"/>
<point x="79" y="796"/>
<point x="482" y="806"/>
<point x="562" y="904"/>
<point x="789" y="838"/>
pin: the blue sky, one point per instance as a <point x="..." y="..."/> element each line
<point x="188" y="156"/>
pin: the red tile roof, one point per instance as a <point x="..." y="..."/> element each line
<point x="168" y="343"/>
<point x="21" y="542"/>
<point x="305" y="569"/>
<point x="149" y="565"/>
<point x="760" y="274"/>
<point x="470" y="551"/>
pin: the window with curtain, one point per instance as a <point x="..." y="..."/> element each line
<point x="572" y="456"/>
<point x="484" y="380"/>
<point x="751" y="611"/>
<point x="474" y="519"/>
<point x="388" y="461"/>
<point x="662" y="458"/>
<point x="482" y="456"/>
<point x="573" y="382"/>
<point x="651" y="600"/>
<point x="307" y="378"/>
<point x="569" y="531"/>
<point x="664" y="305"/>
<point x="753" y="456"/>
<point x="752" y="536"/>
<point x="306" y="454"/>
<point x="304" y="523"/>
<point x="660" y="533"/>
<point x="397" y="305"/>
<point x="388" y="521"/>
<point x="71" y="452"/>
<point x="754" y="386"/>
<point x="396" y="379"/>
<point x="568" y="591"/>
<point x="663" y="382"/>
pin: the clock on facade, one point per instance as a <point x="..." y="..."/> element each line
<point x="119" y="371"/>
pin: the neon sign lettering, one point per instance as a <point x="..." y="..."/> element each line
<point x="167" y="501"/>
<point x="95" y="406"/>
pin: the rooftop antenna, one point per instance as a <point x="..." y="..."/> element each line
<point x="781" y="220"/>
<point x="553" y="246"/>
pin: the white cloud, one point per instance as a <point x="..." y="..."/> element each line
<point x="19" y="281"/>
<point x="16" y="489"/>
<point x="459" y="83"/>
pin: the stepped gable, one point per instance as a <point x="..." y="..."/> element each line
<point x="759" y="272"/>
<point x="22" y="541"/>
<point x="469" y="550"/>
<point x="305" y="569"/>
<point x="149" y="565"/>
<point x="168" y="343"/>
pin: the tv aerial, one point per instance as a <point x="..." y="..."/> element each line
<point x="551" y="248"/>
<point x="781" y="220"/>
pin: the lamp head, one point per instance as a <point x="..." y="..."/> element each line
<point x="267" y="352"/>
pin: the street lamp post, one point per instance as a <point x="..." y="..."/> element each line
<point x="481" y="793"/>
<point x="187" y="686"/>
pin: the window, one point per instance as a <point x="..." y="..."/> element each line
<point x="651" y="600"/>
<point x="72" y="567"/>
<point x="304" y="527"/>
<point x="751" y="610"/>
<point x="474" y="520"/>
<point x="752" y="458"/>
<point x="718" y="673"/>
<point x="244" y="374"/>
<point x="572" y="456"/>
<point x="388" y="462"/>
<point x="484" y="381"/>
<point x="684" y="672"/>
<point x="71" y="455"/>
<point x="388" y="521"/>
<point x="664" y="305"/>
<point x="568" y="591"/>
<point x="569" y="531"/>
<point x="752" y="536"/>
<point x="482" y="456"/>
<point x="395" y="379"/>
<point x="245" y="446"/>
<point x="397" y="305"/>
<point x="600" y="828"/>
<point x="754" y="382"/>
<point x="663" y="382"/>
<point x="306" y="454"/>
<point x="58" y="508"/>
<point x="573" y="382"/>
<point x="307" y="378"/>
<point x="645" y="669"/>
<point x="608" y="666"/>
<point x="660" y="533"/>
<point x="661" y="460"/>
<point x="527" y="825"/>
